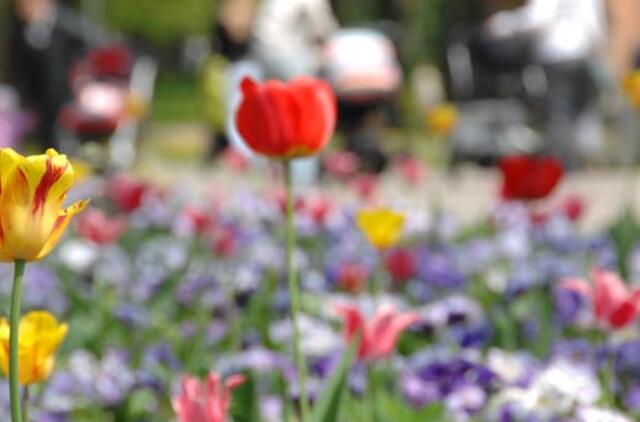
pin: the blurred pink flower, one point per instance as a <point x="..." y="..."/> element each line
<point x="379" y="334"/>
<point x="365" y="186"/>
<point x="235" y="160"/>
<point x="614" y="305"/>
<point x="198" y="219"/>
<point x="411" y="169"/>
<point x="205" y="402"/>
<point x="319" y="207"/>
<point x="342" y="164"/>
<point x="99" y="228"/>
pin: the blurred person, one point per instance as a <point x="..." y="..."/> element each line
<point x="224" y="70"/>
<point x="567" y="35"/>
<point x="45" y="40"/>
<point x="289" y="35"/>
<point x="624" y="35"/>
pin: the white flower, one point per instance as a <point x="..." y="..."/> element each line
<point x="594" y="414"/>
<point x="510" y="367"/>
<point x="562" y="385"/>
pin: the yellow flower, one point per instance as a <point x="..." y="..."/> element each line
<point x="32" y="190"/>
<point x="631" y="86"/>
<point x="40" y="336"/>
<point x="442" y="119"/>
<point x="381" y="226"/>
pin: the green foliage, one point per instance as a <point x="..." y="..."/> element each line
<point x="625" y="233"/>
<point x="162" y="22"/>
<point x="244" y="406"/>
<point x="327" y="409"/>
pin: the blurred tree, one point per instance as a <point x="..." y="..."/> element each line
<point x="162" y="22"/>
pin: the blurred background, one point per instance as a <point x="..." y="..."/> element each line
<point x="138" y="85"/>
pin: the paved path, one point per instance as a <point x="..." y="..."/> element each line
<point x="170" y="155"/>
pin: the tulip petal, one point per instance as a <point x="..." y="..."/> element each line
<point x="317" y="123"/>
<point x="609" y="293"/>
<point x="576" y="285"/>
<point x="60" y="226"/>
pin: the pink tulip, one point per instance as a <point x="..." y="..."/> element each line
<point x="205" y="403"/>
<point x="379" y="334"/>
<point x="614" y="305"/>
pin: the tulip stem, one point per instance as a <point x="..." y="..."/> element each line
<point x="294" y="292"/>
<point x="14" y="336"/>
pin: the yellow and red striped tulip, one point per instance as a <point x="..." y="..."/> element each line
<point x="32" y="192"/>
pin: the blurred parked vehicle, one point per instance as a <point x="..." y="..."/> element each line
<point x="362" y="67"/>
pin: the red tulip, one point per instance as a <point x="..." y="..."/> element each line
<point x="379" y="334"/>
<point x="289" y="120"/>
<point x="400" y="264"/>
<point x="96" y="226"/>
<point x="126" y="192"/>
<point x="527" y="178"/>
<point x="205" y="403"/>
<point x="614" y="305"/>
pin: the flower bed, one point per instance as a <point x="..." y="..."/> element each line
<point x="156" y="285"/>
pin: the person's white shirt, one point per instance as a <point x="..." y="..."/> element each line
<point x="289" y="31"/>
<point x="564" y="30"/>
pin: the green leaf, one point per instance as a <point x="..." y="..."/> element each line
<point x="327" y="408"/>
<point x="244" y="405"/>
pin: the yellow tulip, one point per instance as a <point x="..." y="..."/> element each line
<point x="631" y="86"/>
<point x="381" y="226"/>
<point x="40" y="336"/>
<point x="442" y="119"/>
<point x="32" y="191"/>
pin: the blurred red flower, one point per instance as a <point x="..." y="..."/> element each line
<point x="96" y="226"/>
<point x="352" y="277"/>
<point x="526" y="177"/>
<point x="400" y="264"/>
<point x="126" y="192"/>
<point x="289" y="120"/>
<point x="205" y="403"/>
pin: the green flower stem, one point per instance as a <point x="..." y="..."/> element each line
<point x="294" y="292"/>
<point x="14" y="367"/>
